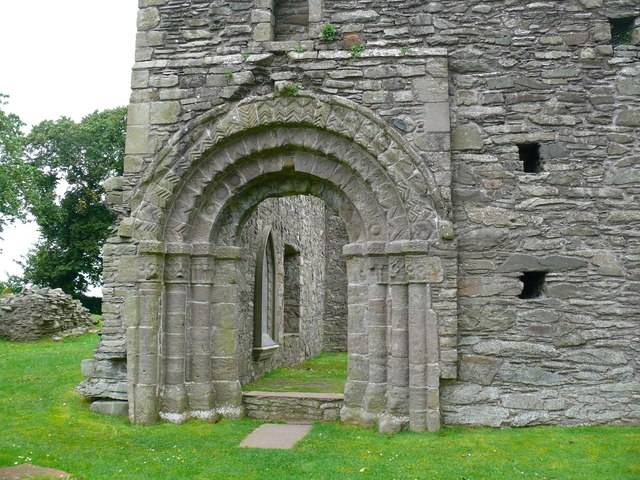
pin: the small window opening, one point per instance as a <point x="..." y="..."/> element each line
<point x="291" y="19"/>
<point x="530" y="157"/>
<point x="621" y="30"/>
<point x="533" y="284"/>
<point x="264" y="327"/>
<point x="292" y="286"/>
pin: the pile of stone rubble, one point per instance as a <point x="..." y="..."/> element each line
<point x="42" y="312"/>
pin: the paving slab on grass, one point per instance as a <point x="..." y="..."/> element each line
<point x="22" y="472"/>
<point x="280" y="436"/>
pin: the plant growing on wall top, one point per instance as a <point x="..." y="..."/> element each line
<point x="289" y="90"/>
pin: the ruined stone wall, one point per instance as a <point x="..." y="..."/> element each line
<point x="42" y="312"/>
<point x="334" y="324"/>
<point x="299" y="222"/>
<point x="504" y="73"/>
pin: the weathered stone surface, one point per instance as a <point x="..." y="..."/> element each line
<point x="20" y="472"/>
<point x="111" y="407"/>
<point x="293" y="406"/>
<point x="42" y="312"/>
<point x="466" y="137"/>
<point x="462" y="86"/>
<point x="276" y="436"/>
<point x="479" y="369"/>
<point x="629" y="118"/>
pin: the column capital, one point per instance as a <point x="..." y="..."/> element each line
<point x="424" y="269"/>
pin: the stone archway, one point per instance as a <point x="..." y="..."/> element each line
<point x="182" y="338"/>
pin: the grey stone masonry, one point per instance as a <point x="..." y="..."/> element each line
<point x="294" y="406"/>
<point x="42" y="312"/>
<point x="483" y="157"/>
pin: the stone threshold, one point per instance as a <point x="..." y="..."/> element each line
<point x="293" y="406"/>
<point x="297" y="395"/>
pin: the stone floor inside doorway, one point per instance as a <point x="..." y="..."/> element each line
<point x="325" y="373"/>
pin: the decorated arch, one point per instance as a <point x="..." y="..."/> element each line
<point x="187" y="212"/>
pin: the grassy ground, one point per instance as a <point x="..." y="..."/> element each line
<point x="43" y="421"/>
<point x="326" y="373"/>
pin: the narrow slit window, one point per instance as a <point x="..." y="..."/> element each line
<point x="532" y="284"/>
<point x="264" y="329"/>
<point x="530" y="157"/>
<point x="621" y="30"/>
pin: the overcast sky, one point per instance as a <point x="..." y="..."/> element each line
<point x="61" y="58"/>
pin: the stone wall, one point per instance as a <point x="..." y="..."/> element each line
<point x="503" y="73"/>
<point x="334" y="325"/>
<point x="42" y="312"/>
<point x="569" y="356"/>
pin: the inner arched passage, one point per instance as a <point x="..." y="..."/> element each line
<point x="297" y="226"/>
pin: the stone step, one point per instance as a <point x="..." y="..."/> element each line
<point x="299" y="406"/>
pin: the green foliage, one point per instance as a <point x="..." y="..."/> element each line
<point x="45" y="420"/>
<point x="329" y="33"/>
<point x="300" y="48"/>
<point x="356" y="50"/>
<point x="77" y="157"/>
<point x="16" y="176"/>
<point x="404" y="50"/>
<point x="290" y="90"/>
<point x="325" y="373"/>
<point x="12" y="285"/>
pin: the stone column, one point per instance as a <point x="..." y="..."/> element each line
<point x="424" y="370"/>
<point x="143" y="322"/>
<point x="198" y="335"/>
<point x="397" y="416"/>
<point x="173" y="398"/>
<point x="225" y="342"/>
<point x="357" y="338"/>
<point x="375" y="399"/>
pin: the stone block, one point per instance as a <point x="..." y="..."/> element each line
<point x="629" y="118"/>
<point x="263" y="32"/>
<point x="356" y="16"/>
<point x="467" y="137"/>
<point x="431" y="90"/>
<point x="164" y="112"/>
<point x="110" y="407"/>
<point x="436" y="117"/>
<point x="148" y="18"/>
<point x="138" y="140"/>
<point x="478" y="369"/>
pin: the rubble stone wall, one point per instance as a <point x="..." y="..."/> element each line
<point x="41" y="312"/>
<point x="334" y="325"/>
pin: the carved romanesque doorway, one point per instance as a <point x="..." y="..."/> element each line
<point x="183" y="355"/>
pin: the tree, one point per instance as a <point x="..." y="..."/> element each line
<point x="16" y="176"/>
<point x="73" y="159"/>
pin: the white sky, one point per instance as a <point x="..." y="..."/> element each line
<point x="61" y="58"/>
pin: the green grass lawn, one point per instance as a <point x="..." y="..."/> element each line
<point x="325" y="373"/>
<point x="44" y="422"/>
